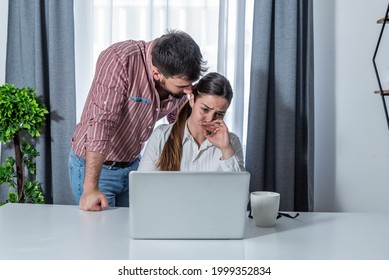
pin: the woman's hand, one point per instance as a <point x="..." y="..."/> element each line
<point x="217" y="134"/>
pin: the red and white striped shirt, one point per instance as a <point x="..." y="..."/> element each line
<point x="123" y="105"/>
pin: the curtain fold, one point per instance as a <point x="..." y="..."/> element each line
<point x="40" y="54"/>
<point x="280" y="121"/>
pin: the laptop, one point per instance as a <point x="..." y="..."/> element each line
<point x="188" y="205"/>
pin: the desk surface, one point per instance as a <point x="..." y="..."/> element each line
<point x="65" y="232"/>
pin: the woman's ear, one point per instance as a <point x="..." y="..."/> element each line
<point x="191" y="99"/>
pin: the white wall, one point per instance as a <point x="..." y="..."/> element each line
<point x="352" y="137"/>
<point x="3" y="37"/>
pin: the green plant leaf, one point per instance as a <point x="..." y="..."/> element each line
<point x="33" y="192"/>
<point x="21" y="111"/>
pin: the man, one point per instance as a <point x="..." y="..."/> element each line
<point x="136" y="83"/>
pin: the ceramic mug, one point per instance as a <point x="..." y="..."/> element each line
<point x="264" y="207"/>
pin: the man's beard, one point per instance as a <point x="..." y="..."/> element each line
<point x="177" y="96"/>
<point x="162" y="85"/>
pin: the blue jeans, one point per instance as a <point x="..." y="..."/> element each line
<point x="113" y="181"/>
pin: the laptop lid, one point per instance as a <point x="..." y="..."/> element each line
<point x="188" y="205"/>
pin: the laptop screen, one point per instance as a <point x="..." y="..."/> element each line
<point x="188" y="205"/>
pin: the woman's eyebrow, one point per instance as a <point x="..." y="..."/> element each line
<point x="210" y="108"/>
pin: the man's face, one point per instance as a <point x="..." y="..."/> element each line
<point x="174" y="86"/>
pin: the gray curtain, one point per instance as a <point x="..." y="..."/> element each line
<point x="280" y="127"/>
<point x="40" y="54"/>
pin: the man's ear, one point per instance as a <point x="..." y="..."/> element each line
<point x="156" y="73"/>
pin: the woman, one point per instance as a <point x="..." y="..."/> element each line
<point x="199" y="140"/>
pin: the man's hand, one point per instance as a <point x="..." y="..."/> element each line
<point x="93" y="201"/>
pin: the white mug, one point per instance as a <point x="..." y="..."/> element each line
<point x="264" y="207"/>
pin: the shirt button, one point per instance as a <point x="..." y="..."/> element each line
<point x="150" y="127"/>
<point x="156" y="109"/>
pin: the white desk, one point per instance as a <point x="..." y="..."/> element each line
<point x="65" y="232"/>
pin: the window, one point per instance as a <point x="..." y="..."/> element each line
<point x="223" y="30"/>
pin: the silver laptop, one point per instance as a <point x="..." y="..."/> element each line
<point x="188" y="205"/>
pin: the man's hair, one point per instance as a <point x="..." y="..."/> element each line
<point x="177" y="54"/>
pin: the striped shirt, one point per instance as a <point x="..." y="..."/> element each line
<point x="123" y="105"/>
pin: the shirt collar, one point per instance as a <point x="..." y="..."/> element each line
<point x="187" y="136"/>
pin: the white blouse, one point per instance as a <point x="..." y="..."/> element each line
<point x="205" y="158"/>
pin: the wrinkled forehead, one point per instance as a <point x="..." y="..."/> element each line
<point x="212" y="101"/>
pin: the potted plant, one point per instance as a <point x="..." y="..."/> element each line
<point x="22" y="116"/>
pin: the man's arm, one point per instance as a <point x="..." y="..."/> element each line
<point x="92" y="199"/>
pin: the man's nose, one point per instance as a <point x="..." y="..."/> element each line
<point x="188" y="89"/>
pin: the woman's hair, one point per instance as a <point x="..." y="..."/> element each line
<point x="211" y="84"/>
<point x="177" y="54"/>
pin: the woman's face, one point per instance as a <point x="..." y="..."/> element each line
<point x="208" y="108"/>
